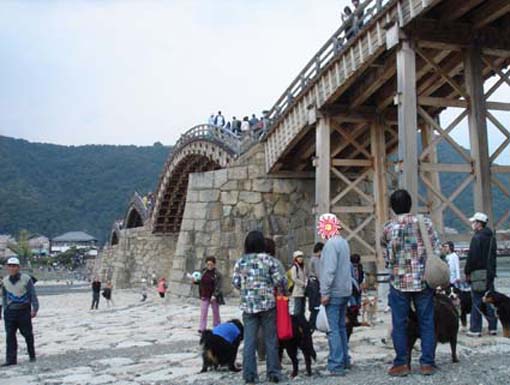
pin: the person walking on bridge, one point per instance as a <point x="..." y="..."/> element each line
<point x="20" y="306"/>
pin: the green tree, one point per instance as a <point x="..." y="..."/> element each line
<point x="22" y="247"/>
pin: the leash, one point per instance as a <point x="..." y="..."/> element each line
<point x="489" y="318"/>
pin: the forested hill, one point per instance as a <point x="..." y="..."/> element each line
<point x="51" y="189"/>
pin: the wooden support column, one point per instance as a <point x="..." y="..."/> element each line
<point x="478" y="132"/>
<point x="436" y="213"/>
<point x="322" y="166"/>
<point x="407" y="120"/>
<point x="378" y="150"/>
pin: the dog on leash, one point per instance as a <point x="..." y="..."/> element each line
<point x="302" y="340"/>
<point x="502" y="304"/>
<point x="446" y="324"/>
<point x="220" y="345"/>
<point x="368" y="310"/>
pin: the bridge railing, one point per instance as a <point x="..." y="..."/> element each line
<point x="367" y="10"/>
<point x="210" y="132"/>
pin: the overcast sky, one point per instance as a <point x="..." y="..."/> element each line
<point x="141" y="71"/>
<point x="136" y="72"/>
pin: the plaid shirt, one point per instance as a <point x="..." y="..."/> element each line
<point x="405" y="251"/>
<point x="256" y="276"/>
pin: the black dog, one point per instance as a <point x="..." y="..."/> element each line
<point x="446" y="324"/>
<point x="351" y="320"/>
<point x="502" y="304"/>
<point x="301" y="339"/>
<point x="220" y="345"/>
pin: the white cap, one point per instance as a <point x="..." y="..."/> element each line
<point x="13" y="261"/>
<point x="298" y="253"/>
<point x="481" y="217"/>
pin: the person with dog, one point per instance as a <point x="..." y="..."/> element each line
<point x="406" y="257"/>
<point x="336" y="289"/>
<point x="313" y="290"/>
<point x="298" y="275"/>
<point x="257" y="276"/>
<point x="480" y="270"/>
<point x="211" y="294"/>
<point x="20" y="305"/>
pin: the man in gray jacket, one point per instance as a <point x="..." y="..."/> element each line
<point x="336" y="288"/>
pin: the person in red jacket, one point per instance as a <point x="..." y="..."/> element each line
<point x="162" y="287"/>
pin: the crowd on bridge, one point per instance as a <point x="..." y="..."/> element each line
<point x="247" y="126"/>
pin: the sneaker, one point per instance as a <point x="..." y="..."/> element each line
<point x="32" y="359"/>
<point x="273" y="379"/>
<point x="399" y="371"/>
<point x="427" y="370"/>
<point x="473" y="334"/>
<point x="493" y="332"/>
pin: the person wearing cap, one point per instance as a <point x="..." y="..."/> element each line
<point x="20" y="306"/>
<point x="299" y="275"/>
<point x="481" y="256"/>
<point x="336" y="289"/>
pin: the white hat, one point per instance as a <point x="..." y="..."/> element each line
<point x="298" y="253"/>
<point x="480" y="217"/>
<point x="13" y="261"/>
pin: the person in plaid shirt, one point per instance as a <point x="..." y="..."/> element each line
<point x="256" y="276"/>
<point x="406" y="258"/>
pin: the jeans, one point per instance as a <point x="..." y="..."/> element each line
<point x="400" y="302"/>
<point x="204" y="308"/>
<point x="95" y="300"/>
<point x="267" y="321"/>
<point x="18" y="319"/>
<point x="338" y="358"/>
<point x="475" y="321"/>
<point x="298" y="306"/>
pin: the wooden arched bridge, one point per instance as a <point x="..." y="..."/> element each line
<point x="362" y="99"/>
<point x="202" y="148"/>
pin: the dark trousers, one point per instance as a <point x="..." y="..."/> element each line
<point x="95" y="300"/>
<point x="18" y="319"/>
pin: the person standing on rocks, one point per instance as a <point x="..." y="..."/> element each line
<point x="313" y="290"/>
<point x="336" y="289"/>
<point x="107" y="294"/>
<point x="406" y="257"/>
<point x="211" y="294"/>
<point x="256" y="276"/>
<point x="299" y="275"/>
<point x="96" y="292"/>
<point x="162" y="287"/>
<point x="20" y="305"/>
<point x="481" y="258"/>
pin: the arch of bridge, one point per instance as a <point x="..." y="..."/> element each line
<point x="137" y="213"/>
<point x="202" y="148"/>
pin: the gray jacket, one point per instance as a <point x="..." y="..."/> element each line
<point x="335" y="270"/>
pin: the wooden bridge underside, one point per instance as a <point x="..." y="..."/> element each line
<point x="391" y="82"/>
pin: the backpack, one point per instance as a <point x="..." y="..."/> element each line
<point x="290" y="281"/>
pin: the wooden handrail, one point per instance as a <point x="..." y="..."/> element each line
<point x="331" y="49"/>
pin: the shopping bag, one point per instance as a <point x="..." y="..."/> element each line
<point x="322" y="323"/>
<point x="283" y="319"/>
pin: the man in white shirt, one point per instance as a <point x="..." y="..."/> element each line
<point x="451" y="257"/>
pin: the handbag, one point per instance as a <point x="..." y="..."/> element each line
<point x="479" y="280"/>
<point x="322" y="324"/>
<point x="283" y="319"/>
<point x="437" y="272"/>
<point x="479" y="277"/>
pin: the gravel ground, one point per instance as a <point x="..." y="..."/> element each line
<point x="156" y="343"/>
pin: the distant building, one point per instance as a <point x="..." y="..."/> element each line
<point x="39" y="244"/>
<point x="77" y="239"/>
